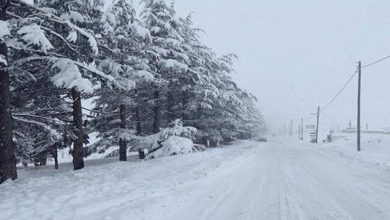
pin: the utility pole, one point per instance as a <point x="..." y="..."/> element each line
<point x="358" y="104"/>
<point x="291" y="128"/>
<point x="299" y="131"/>
<point x="301" y="128"/>
<point x="318" y="122"/>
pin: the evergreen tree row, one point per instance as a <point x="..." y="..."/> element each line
<point x="144" y="73"/>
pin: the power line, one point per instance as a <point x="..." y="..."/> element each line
<point x="340" y="91"/>
<point x="358" y="71"/>
<point x="350" y="79"/>
<point x="375" y="62"/>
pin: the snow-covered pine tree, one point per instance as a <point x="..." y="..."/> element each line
<point x="128" y="64"/>
<point x="167" y="56"/>
<point x="202" y="98"/>
<point x="41" y="118"/>
<point x="43" y="37"/>
<point x="252" y="122"/>
<point x="197" y="84"/>
<point x="228" y="113"/>
<point x="197" y="81"/>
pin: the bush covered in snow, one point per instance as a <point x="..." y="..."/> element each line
<point x="174" y="145"/>
<point x="162" y="143"/>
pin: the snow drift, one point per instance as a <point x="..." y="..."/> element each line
<point x="172" y="146"/>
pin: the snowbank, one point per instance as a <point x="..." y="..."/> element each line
<point x="108" y="189"/>
<point x="375" y="148"/>
<point x="172" y="146"/>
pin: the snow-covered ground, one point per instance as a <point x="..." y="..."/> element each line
<point x="375" y="148"/>
<point x="282" y="179"/>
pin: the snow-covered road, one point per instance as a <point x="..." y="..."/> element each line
<point x="282" y="179"/>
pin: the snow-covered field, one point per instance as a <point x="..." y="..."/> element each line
<point x="282" y="179"/>
<point x="375" y="148"/>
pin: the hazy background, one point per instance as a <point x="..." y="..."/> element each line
<point x="296" y="55"/>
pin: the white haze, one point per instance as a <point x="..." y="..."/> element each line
<point x="296" y="55"/>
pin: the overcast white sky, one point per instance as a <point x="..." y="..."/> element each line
<point x="295" y="55"/>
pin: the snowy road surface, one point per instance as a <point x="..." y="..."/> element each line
<point x="282" y="179"/>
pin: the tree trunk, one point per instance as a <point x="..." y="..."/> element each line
<point x="54" y="153"/>
<point x="7" y="147"/>
<point x="43" y="161"/>
<point x="170" y="107"/>
<point x="141" y="154"/>
<point x="138" y="120"/>
<point x="184" y="106"/>
<point x="156" y="113"/>
<point x="56" y="161"/>
<point x="78" y="158"/>
<point x="122" y="142"/>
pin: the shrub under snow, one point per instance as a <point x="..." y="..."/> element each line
<point x="175" y="139"/>
<point x="174" y="145"/>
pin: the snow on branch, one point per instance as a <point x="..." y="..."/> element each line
<point x="54" y="18"/>
<point x="96" y="72"/>
<point x="69" y="76"/>
<point x="33" y="34"/>
<point x="46" y="127"/>
<point x="36" y="116"/>
<point x="92" y="42"/>
<point x="48" y="30"/>
<point x="70" y="62"/>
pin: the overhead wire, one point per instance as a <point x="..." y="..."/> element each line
<point x="340" y="91"/>
<point x="345" y="85"/>
<point x="351" y="78"/>
<point x="375" y="62"/>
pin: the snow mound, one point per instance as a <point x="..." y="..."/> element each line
<point x="174" y="145"/>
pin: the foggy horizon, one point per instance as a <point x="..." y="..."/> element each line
<point x="297" y="55"/>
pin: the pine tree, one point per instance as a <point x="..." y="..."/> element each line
<point x="168" y="57"/>
<point x="128" y="64"/>
<point x="49" y="42"/>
